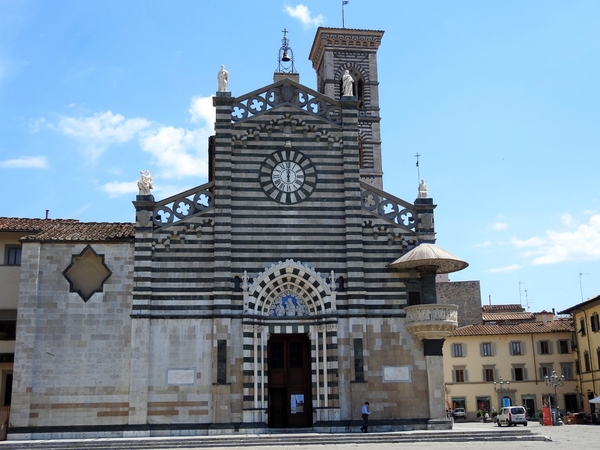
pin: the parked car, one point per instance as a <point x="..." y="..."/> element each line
<point x="460" y="413"/>
<point x="512" y="415"/>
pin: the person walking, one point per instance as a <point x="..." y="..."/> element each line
<point x="365" y="416"/>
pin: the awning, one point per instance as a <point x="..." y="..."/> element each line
<point x="595" y="400"/>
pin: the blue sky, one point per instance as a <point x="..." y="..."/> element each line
<point x="501" y="99"/>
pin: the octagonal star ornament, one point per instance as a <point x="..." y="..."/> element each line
<point x="87" y="273"/>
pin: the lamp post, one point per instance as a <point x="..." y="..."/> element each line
<point x="447" y="391"/>
<point x="554" y="381"/>
<point x="501" y="386"/>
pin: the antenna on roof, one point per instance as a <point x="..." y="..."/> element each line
<point x="526" y="300"/>
<point x="580" y="285"/>
<point x="520" y="301"/>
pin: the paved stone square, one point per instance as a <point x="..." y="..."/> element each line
<point x="564" y="437"/>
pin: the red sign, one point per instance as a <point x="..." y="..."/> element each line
<point x="547" y="416"/>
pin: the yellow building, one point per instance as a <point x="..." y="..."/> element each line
<point x="506" y="359"/>
<point x="586" y="317"/>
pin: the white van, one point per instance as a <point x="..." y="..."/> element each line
<point x="512" y="415"/>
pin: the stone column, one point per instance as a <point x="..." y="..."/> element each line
<point x="428" y="286"/>
<point x="432" y="323"/>
<point x="435" y="379"/>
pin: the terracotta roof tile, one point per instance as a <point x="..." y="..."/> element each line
<point x="35" y="225"/>
<point x="504" y="316"/>
<point x="498" y="308"/>
<point x="67" y="229"/>
<point x="91" y="231"/>
<point x="556" y="326"/>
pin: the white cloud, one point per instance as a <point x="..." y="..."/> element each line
<point x="531" y="242"/>
<point x="101" y="130"/>
<point x="179" y="152"/>
<point x="483" y="244"/>
<point x="499" y="226"/>
<point x="202" y="110"/>
<point x="581" y="243"/>
<point x="510" y="268"/>
<point x="28" y="162"/>
<point x="566" y="219"/>
<point x="302" y="13"/>
<point x="116" y="188"/>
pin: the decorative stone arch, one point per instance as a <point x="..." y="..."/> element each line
<point x="361" y="78"/>
<point x="315" y="294"/>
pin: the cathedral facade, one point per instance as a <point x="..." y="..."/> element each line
<point x="282" y="294"/>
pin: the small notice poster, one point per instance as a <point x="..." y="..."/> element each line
<point x="297" y="403"/>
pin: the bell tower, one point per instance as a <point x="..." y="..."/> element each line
<point x="336" y="50"/>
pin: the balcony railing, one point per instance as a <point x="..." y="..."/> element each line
<point x="431" y="321"/>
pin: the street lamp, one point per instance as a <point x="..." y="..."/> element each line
<point x="554" y="381"/>
<point x="501" y="386"/>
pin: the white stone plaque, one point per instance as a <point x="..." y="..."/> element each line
<point x="396" y="374"/>
<point x="181" y="376"/>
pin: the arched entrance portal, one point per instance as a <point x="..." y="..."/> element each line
<point x="289" y="384"/>
<point x="290" y="342"/>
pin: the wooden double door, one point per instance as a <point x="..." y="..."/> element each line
<point x="290" y="401"/>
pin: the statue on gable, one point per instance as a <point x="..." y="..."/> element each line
<point x="223" y="79"/>
<point x="145" y="183"/>
<point x="423" y="190"/>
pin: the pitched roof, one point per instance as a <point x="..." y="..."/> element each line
<point x="497" y="308"/>
<point x="35" y="225"/>
<point x="556" y="326"/>
<point x="588" y="303"/>
<point x="43" y="230"/>
<point x="91" y="231"/>
<point x="504" y="316"/>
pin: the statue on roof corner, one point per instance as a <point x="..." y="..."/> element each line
<point x="347" y="84"/>
<point x="145" y="183"/>
<point x="223" y="79"/>
<point x="423" y="190"/>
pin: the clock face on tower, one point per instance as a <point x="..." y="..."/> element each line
<point x="287" y="176"/>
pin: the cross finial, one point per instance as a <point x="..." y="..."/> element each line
<point x="418" y="169"/>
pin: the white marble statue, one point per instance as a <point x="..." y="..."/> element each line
<point x="223" y="79"/>
<point x="347" y="84"/>
<point x="332" y="280"/>
<point x="145" y="183"/>
<point x="245" y="280"/>
<point x="290" y="308"/>
<point x="423" y="190"/>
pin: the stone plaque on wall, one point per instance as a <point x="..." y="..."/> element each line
<point x="181" y="376"/>
<point x="396" y="374"/>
